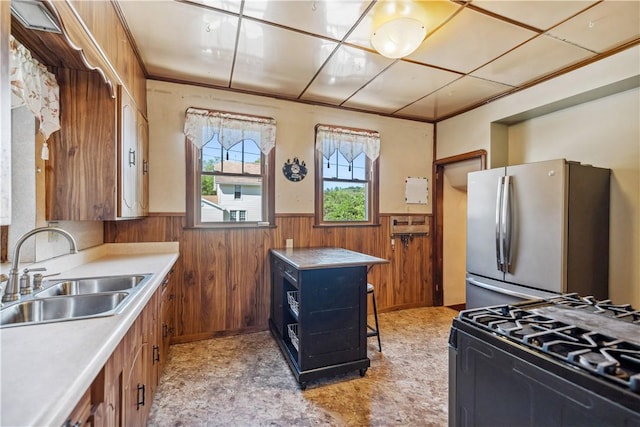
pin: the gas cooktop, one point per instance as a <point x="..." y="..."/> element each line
<point x="595" y="336"/>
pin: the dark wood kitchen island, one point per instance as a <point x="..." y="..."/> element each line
<point x="319" y="310"/>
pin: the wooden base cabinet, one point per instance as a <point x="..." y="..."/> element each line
<point x="123" y="391"/>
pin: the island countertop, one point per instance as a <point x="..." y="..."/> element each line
<point x="313" y="258"/>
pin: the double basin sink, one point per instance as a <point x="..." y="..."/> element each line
<point x="72" y="299"/>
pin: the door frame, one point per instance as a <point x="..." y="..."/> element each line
<point x="438" y="171"/>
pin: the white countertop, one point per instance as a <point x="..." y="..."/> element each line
<point x="46" y="368"/>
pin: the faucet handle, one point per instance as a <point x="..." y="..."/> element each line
<point x="29" y="270"/>
<point x="25" y="280"/>
<point x="37" y="280"/>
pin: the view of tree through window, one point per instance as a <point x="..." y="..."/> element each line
<point x="345" y="188"/>
<point x="231" y="182"/>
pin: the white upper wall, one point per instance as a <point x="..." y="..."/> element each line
<point x="472" y="130"/>
<point x="406" y="146"/>
<point x="604" y="132"/>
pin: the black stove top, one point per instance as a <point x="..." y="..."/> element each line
<point x="595" y="336"/>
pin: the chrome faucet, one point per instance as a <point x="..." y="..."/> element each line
<point x="12" y="291"/>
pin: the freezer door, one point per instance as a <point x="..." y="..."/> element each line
<point x="538" y="215"/>
<point x="483" y="247"/>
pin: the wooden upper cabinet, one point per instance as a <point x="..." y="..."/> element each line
<point x="102" y="20"/>
<point x="95" y="168"/>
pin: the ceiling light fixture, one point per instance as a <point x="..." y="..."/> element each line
<point x="399" y="27"/>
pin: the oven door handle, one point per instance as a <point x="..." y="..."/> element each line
<point x="499" y="289"/>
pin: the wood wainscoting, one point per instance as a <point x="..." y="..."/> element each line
<point x="222" y="275"/>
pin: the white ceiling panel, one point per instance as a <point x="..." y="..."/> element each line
<point x="603" y="26"/>
<point x="226" y="5"/>
<point x="538" y="57"/>
<point x="206" y="39"/>
<point x="538" y="14"/>
<point x="463" y="92"/>
<point x="348" y="70"/>
<point x="470" y="40"/>
<point x="325" y="18"/>
<point x="263" y="64"/>
<point x="402" y="83"/>
<point x="320" y="50"/>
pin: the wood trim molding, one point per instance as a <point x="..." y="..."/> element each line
<point x="438" y="227"/>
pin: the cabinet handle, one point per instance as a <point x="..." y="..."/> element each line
<point x="132" y="157"/>
<point x="140" y="400"/>
<point x="156" y="354"/>
<point x="165" y="330"/>
<point x="145" y="167"/>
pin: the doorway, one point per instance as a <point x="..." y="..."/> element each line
<point x="450" y="178"/>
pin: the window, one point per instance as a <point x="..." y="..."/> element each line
<point x="230" y="169"/>
<point x="347" y="176"/>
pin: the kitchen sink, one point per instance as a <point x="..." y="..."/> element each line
<point x="61" y="308"/>
<point x="72" y="299"/>
<point x="92" y="285"/>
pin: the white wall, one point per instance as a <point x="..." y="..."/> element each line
<point x="604" y="132"/>
<point x="406" y="146"/>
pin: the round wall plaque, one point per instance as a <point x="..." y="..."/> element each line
<point x="294" y="170"/>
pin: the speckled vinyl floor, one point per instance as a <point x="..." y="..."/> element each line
<point x="245" y="381"/>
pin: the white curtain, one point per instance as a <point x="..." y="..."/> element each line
<point x="34" y="86"/>
<point x="202" y="125"/>
<point x="349" y="142"/>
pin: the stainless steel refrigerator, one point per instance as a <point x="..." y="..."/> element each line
<point x="537" y="230"/>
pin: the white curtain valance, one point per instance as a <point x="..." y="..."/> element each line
<point x="202" y="125"/>
<point x="34" y="86"/>
<point x="349" y="142"/>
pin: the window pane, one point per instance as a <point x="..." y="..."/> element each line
<point x="338" y="167"/>
<point x="233" y="184"/>
<point x="344" y="201"/>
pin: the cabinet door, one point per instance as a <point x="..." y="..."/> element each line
<point x="129" y="155"/>
<point x="136" y="400"/>
<point x="143" y="165"/>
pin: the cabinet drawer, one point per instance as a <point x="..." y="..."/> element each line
<point x="287" y="270"/>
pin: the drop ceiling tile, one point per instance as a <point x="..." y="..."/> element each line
<point x="227" y="5"/>
<point x="277" y="61"/>
<point x="348" y="70"/>
<point x="464" y="92"/>
<point x="470" y="40"/>
<point x="326" y="18"/>
<point x="399" y="85"/>
<point x="602" y="27"/>
<point x="538" y="14"/>
<point x="182" y="41"/>
<point x="538" y="57"/>
<point x="439" y="12"/>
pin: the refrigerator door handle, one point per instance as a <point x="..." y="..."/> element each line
<point x="499" y="258"/>
<point x="506" y="224"/>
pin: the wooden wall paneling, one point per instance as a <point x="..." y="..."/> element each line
<point x="222" y="277"/>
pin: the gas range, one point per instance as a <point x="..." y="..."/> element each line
<point x="593" y="335"/>
<point x="582" y="346"/>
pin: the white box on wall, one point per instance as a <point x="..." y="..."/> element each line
<point x="416" y="190"/>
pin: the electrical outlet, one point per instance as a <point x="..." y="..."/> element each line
<point x="289" y="243"/>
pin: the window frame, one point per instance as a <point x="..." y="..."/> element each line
<point x="194" y="171"/>
<point x="373" y="207"/>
